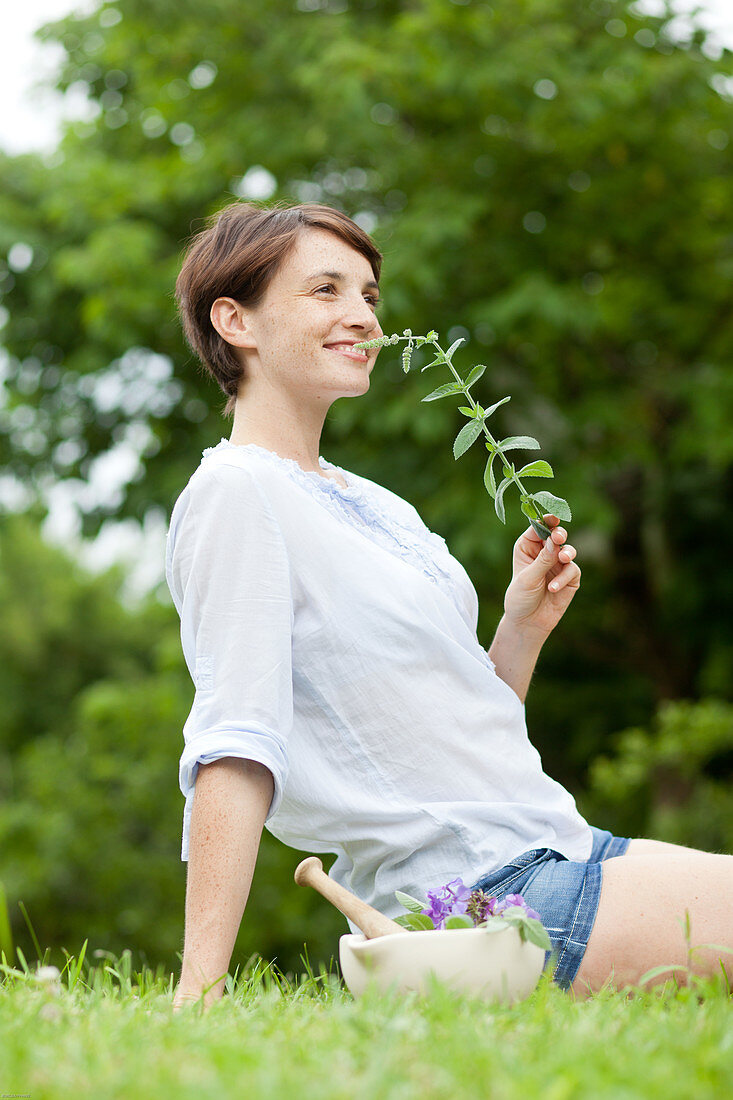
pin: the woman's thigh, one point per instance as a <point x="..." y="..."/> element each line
<point x="640" y="922"/>
<point x="639" y="846"/>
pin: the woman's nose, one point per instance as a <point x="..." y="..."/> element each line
<point x="360" y="314"/>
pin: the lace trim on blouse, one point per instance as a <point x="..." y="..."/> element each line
<point x="413" y="542"/>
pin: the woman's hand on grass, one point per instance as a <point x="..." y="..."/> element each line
<point x="183" y="997"/>
<point x="545" y="578"/>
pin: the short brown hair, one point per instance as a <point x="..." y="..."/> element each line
<point x="236" y="256"/>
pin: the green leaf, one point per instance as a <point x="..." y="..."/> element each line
<point x="554" y="506"/>
<point x="474" y="376"/>
<point x="456" y="344"/>
<point x="494" y="924"/>
<point x="489" y="479"/>
<point x="540" y="468"/>
<point x="444" y="391"/>
<point x="436" y="362"/>
<point x="468" y="434"/>
<point x="499" y="499"/>
<point x="408" y="902"/>
<point x="495" y="406"/>
<point x="537" y="933"/>
<point x="543" y="531"/>
<point x="417" y="922"/>
<point x="529" y="928"/>
<point x="465" y="409"/>
<point x="519" y="443"/>
<point x="458" y="920"/>
<point x="531" y="513"/>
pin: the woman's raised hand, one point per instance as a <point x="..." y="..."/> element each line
<point x="545" y="578"/>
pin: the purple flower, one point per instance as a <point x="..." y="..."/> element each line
<point x="515" y="899"/>
<point x="451" y="900"/>
<point x="459" y="893"/>
<point x="438" y="911"/>
<point x="457" y="899"/>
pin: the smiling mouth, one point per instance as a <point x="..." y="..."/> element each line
<point x="349" y="352"/>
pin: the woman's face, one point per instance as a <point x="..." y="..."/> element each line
<point x="321" y="302"/>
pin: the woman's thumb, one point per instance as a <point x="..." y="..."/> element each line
<point x="545" y="560"/>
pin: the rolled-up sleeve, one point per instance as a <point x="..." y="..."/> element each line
<point x="228" y="571"/>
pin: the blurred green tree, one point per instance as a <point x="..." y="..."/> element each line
<point x="90" y="811"/>
<point x="672" y="781"/>
<point x="548" y="178"/>
<point x="62" y="629"/>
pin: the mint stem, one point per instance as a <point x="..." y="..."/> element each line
<point x="474" y="405"/>
<point x="444" y="357"/>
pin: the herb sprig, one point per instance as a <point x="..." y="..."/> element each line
<point x="533" y="505"/>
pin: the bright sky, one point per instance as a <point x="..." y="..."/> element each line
<point x="30" y="120"/>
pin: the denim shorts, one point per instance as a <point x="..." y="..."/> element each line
<point x="565" y="893"/>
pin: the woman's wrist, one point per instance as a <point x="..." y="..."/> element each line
<point x="531" y="635"/>
<point x="514" y="652"/>
<point x="195" y="983"/>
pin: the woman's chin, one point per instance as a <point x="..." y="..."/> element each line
<point x="358" y="387"/>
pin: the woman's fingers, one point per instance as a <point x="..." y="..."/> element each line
<point x="569" y="575"/>
<point x="558" y="536"/>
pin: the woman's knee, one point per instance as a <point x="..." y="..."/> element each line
<point x="643" y="914"/>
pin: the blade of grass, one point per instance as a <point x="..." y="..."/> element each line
<point x="74" y="975"/>
<point x="713" y="947"/>
<point x="23" y="963"/>
<point x="10" y="971"/>
<point x="24" y="911"/>
<point x="6" y="935"/>
<point x="664" y="969"/>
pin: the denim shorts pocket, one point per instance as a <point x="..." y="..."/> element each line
<point x="509" y="879"/>
<point x="533" y="856"/>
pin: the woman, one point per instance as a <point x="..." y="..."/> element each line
<point x="342" y="696"/>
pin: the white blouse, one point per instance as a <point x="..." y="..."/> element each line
<point x="331" y="636"/>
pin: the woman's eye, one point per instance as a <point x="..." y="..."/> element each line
<point x="373" y="300"/>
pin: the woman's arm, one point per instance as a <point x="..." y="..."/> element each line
<point x="545" y="579"/>
<point x="230" y="804"/>
<point x="514" y="652"/>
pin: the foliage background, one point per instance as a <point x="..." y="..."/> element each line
<point x="549" y="179"/>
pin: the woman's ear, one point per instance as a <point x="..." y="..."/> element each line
<point x="231" y="321"/>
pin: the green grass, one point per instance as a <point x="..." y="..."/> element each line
<point x="106" y="1030"/>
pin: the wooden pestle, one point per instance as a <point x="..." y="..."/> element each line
<point x="372" y="923"/>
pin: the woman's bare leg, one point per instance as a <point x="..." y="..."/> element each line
<point x="641" y="918"/>
<point x="643" y="847"/>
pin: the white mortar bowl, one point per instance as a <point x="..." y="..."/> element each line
<point x="496" y="965"/>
